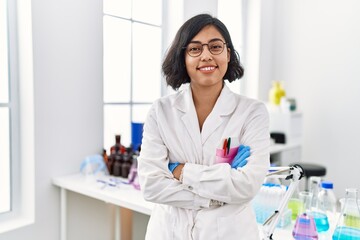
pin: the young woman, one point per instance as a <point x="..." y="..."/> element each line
<point x="195" y="142"/>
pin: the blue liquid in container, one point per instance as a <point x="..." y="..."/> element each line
<point x="321" y="221"/>
<point x="346" y="233"/>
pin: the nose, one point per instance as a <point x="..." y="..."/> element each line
<point x="206" y="54"/>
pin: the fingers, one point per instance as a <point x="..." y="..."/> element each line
<point x="241" y="156"/>
<point x="242" y="163"/>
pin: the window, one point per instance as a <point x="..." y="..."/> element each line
<point x="132" y="64"/>
<point x="5" y="110"/>
<point x="16" y="89"/>
<point x="230" y="12"/>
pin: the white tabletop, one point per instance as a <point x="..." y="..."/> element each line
<point x="123" y="195"/>
<point x="126" y="196"/>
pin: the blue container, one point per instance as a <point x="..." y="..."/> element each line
<point x="136" y="135"/>
<point x="346" y="233"/>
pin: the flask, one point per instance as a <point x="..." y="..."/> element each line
<point x="320" y="216"/>
<point x="305" y="227"/>
<point x="348" y="225"/>
<point x="276" y="93"/>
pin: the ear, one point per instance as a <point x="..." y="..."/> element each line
<point x="228" y="54"/>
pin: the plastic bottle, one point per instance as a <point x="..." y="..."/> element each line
<point x="327" y="199"/>
<point x="276" y="93"/>
<point x="348" y="225"/>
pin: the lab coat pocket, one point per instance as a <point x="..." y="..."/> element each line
<point x="241" y="226"/>
<point x="224" y="156"/>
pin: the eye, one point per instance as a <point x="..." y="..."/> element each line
<point x="216" y="46"/>
<point x="194" y="48"/>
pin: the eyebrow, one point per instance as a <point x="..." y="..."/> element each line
<point x="211" y="40"/>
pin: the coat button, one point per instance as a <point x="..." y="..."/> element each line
<point x="190" y="188"/>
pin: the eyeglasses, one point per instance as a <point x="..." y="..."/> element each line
<point x="216" y="47"/>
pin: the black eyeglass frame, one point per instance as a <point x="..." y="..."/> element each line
<point x="202" y="47"/>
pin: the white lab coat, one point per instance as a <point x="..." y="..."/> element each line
<point x="172" y="133"/>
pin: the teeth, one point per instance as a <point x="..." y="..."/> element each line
<point x="207" y="68"/>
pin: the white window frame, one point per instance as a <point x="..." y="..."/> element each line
<point x="22" y="118"/>
<point x="133" y="103"/>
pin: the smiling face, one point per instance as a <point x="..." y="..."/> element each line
<point x="207" y="69"/>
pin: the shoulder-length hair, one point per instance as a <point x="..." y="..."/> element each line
<point x="174" y="68"/>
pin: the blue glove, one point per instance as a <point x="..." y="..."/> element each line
<point x="240" y="159"/>
<point x="172" y="166"/>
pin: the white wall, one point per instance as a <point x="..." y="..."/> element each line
<point x="315" y="51"/>
<point x="67" y="40"/>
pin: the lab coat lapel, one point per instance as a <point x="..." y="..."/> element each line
<point x="224" y="106"/>
<point x="185" y="104"/>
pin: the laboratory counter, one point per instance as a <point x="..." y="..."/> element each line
<point x="124" y="196"/>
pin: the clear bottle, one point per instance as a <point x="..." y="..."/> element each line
<point x="327" y="199"/>
<point x="348" y="225"/>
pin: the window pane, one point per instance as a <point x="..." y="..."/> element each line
<point x="146" y="63"/>
<point x="140" y="112"/>
<point x="116" y="121"/>
<point x="142" y="12"/>
<point x="118" y="8"/>
<point x="4" y="92"/>
<point x="117" y="59"/>
<point x="229" y="11"/>
<point x="4" y="161"/>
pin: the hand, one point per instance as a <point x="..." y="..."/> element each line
<point x="172" y="166"/>
<point x="240" y="159"/>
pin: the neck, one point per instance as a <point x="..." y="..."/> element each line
<point x="205" y="96"/>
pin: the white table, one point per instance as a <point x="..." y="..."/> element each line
<point x="124" y="196"/>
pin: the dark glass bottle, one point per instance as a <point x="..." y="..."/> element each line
<point x="117" y="166"/>
<point x="117" y="144"/>
<point x="125" y="167"/>
<point x="121" y="148"/>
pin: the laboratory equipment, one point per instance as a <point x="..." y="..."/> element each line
<point x="266" y="202"/>
<point x="314" y="187"/>
<point x="305" y="228"/>
<point x="296" y="205"/>
<point x="348" y="225"/>
<point x="319" y="214"/>
<point x="294" y="174"/>
<point x="327" y="200"/>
